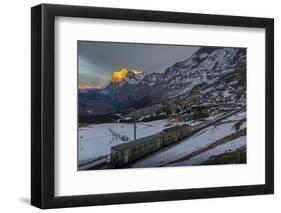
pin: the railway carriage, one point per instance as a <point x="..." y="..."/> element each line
<point x="130" y="151"/>
<point x="173" y="134"/>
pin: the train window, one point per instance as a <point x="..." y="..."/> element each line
<point x="133" y="150"/>
<point x="139" y="147"/>
<point x="149" y="145"/>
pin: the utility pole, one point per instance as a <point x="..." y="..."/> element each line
<point x="190" y="117"/>
<point x="135" y="126"/>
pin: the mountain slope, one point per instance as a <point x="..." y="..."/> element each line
<point x="211" y="73"/>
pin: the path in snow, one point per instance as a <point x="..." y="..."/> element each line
<point x="193" y="143"/>
<point x="221" y="149"/>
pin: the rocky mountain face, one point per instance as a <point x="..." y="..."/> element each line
<point x="210" y="75"/>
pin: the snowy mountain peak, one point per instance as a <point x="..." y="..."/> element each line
<point x="134" y="78"/>
<point x="207" y="73"/>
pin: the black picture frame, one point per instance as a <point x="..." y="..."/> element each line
<point x="43" y="117"/>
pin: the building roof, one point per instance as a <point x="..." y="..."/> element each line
<point x="130" y="144"/>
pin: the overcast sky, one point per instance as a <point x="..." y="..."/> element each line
<point x="97" y="60"/>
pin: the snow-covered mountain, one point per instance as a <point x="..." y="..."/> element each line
<point x="211" y="73"/>
<point x="207" y="65"/>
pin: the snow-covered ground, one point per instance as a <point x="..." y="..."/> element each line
<point x="96" y="140"/>
<point x="227" y="147"/>
<point x="196" y="142"/>
<point x="237" y="116"/>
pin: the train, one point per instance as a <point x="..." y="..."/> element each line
<point x="125" y="153"/>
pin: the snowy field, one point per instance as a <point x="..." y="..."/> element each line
<point x="229" y="146"/>
<point x="197" y="142"/>
<point x="95" y="141"/>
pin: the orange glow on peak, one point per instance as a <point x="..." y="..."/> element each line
<point x="90" y="87"/>
<point x="136" y="72"/>
<point x="119" y="75"/>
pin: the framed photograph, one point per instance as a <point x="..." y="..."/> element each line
<point x="139" y="106"/>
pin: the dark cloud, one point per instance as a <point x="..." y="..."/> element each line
<point x="97" y="60"/>
<point x="89" y="79"/>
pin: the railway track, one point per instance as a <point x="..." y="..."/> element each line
<point x="204" y="125"/>
<point x="196" y="129"/>
<point x="93" y="164"/>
